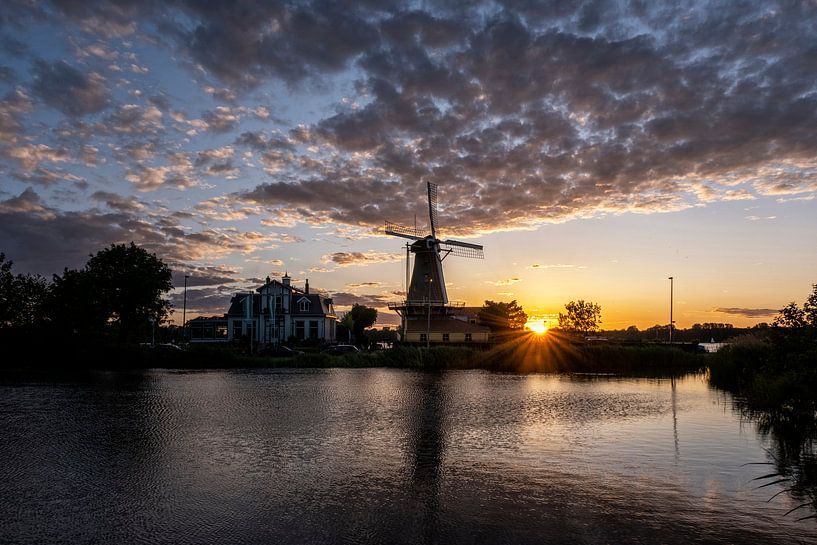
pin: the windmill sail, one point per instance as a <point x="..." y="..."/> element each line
<point x="432" y="208"/>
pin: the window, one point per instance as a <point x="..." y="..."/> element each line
<point x="423" y="337"/>
<point x="445" y="337"/>
<point x="299" y="329"/>
<point x="468" y="337"/>
<point x="236" y="330"/>
<point x="313" y="329"/>
<point x="304" y="305"/>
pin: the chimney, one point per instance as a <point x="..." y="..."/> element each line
<point x="306" y="288"/>
<point x="268" y="280"/>
<point x="285" y="279"/>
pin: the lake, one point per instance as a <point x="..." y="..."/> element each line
<point x="383" y="456"/>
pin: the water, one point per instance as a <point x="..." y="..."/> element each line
<point x="382" y="456"/>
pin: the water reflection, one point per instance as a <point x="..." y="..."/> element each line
<point x="791" y="432"/>
<point x="387" y="456"/>
<point x="427" y="450"/>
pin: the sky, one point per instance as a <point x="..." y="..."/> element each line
<point x="593" y="148"/>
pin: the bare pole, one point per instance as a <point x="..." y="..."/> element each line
<point x="184" y="310"/>
<point x="671" y="322"/>
<point x="429" y="280"/>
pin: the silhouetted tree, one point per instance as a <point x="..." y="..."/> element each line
<point x="581" y="317"/>
<point x="362" y="317"/>
<point x="122" y="285"/>
<point x="500" y="316"/>
<point x="22" y="297"/>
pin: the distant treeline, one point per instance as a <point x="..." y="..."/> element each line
<point x="705" y="332"/>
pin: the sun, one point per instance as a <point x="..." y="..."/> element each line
<point x="537" y="326"/>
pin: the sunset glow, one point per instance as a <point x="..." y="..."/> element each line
<point x="537" y="326"/>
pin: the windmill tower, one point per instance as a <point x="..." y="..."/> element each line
<point x="426" y="294"/>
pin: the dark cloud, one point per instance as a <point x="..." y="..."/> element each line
<point x="204" y="275"/>
<point x="44" y="240"/>
<point x="523" y="112"/>
<point x="345" y="259"/>
<point x="69" y="90"/>
<point x="208" y="301"/>
<point x="344" y="299"/>
<point x="748" y="312"/>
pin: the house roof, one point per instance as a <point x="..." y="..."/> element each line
<point x="318" y="306"/>
<point x="237" y="304"/>
<point x="445" y="326"/>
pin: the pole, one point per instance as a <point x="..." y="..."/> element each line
<point x="184" y="310"/>
<point x="671" y="322"/>
<point x="428" y="325"/>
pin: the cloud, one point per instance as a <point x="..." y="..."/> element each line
<point x="222" y="119"/>
<point x="506" y="282"/>
<point x="346" y="259"/>
<point x="29" y="156"/>
<point x="12" y="109"/>
<point x="44" y="240"/>
<point x="357" y="285"/>
<point x="524" y="113"/>
<point x="552" y="266"/>
<point x="344" y="299"/>
<point x="206" y="301"/>
<point x="69" y="90"/>
<point x="133" y="119"/>
<point x="213" y="275"/>
<point x="748" y="312"/>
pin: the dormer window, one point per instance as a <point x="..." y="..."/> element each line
<point x="303" y="304"/>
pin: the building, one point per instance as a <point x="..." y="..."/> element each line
<point x="273" y="314"/>
<point x="445" y="330"/>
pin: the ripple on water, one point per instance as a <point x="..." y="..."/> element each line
<point x="370" y="456"/>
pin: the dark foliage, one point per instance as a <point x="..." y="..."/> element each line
<point x="502" y="317"/>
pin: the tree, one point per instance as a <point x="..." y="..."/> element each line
<point x="791" y="317"/>
<point x="6" y="290"/>
<point x="581" y="317"/>
<point x="500" y="316"/>
<point x="810" y="307"/>
<point x="121" y="285"/>
<point x="362" y="317"/>
<point x="22" y="297"/>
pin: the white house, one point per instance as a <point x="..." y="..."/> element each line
<point x="274" y="313"/>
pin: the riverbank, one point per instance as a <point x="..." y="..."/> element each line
<point x="523" y="354"/>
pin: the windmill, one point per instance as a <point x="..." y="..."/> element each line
<point x="427" y="285"/>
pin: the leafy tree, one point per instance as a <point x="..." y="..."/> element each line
<point x="22" y="297"/>
<point x="791" y="316"/>
<point x="6" y="290"/>
<point x="500" y="316"/>
<point x="810" y="307"/>
<point x="362" y="317"/>
<point x="581" y="317"/>
<point x="121" y="285"/>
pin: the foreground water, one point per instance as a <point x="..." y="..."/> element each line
<point x="382" y="456"/>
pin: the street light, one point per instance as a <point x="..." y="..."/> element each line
<point x="671" y="322"/>
<point x="184" y="310"/>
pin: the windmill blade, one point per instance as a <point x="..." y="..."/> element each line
<point x="432" y="207"/>
<point x="462" y="249"/>
<point x="401" y="231"/>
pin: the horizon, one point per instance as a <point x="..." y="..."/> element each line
<point x="592" y="154"/>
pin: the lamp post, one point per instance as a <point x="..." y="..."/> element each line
<point x="184" y="310"/>
<point x="429" y="280"/>
<point x="671" y="322"/>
